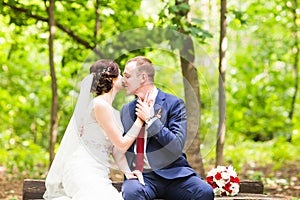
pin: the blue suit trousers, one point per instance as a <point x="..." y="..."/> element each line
<point x="185" y="188"/>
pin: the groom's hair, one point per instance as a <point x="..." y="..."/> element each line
<point x="104" y="71"/>
<point x="144" y="65"/>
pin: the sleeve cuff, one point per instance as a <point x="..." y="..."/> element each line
<point x="150" y="121"/>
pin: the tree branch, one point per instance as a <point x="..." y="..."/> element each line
<point x="60" y="26"/>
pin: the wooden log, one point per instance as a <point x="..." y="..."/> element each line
<point x="34" y="189"/>
<point x="249" y="196"/>
<point x="251" y="186"/>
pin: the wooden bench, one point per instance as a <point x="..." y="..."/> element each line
<point x="34" y="189"/>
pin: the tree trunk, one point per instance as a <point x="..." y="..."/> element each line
<point x="192" y="99"/>
<point x="296" y="63"/>
<point x="54" y="102"/>
<point x="222" y="95"/>
<point x="193" y="108"/>
<point x="97" y="21"/>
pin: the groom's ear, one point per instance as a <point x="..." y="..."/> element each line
<point x="144" y="77"/>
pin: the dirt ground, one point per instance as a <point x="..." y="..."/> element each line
<point x="285" y="181"/>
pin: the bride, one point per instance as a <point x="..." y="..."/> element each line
<point x="80" y="169"/>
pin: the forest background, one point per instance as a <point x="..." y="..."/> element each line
<point x="260" y="77"/>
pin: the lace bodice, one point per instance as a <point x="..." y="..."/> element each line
<point x="95" y="139"/>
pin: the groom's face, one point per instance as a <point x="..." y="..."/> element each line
<point x="131" y="79"/>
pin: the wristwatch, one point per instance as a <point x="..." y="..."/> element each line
<point x="150" y="119"/>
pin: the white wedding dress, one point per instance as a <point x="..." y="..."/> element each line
<point x="80" y="170"/>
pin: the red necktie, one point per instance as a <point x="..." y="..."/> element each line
<point x="140" y="150"/>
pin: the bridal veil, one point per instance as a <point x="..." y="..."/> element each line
<point x="70" y="140"/>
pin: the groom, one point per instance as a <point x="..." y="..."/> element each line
<point x="158" y="152"/>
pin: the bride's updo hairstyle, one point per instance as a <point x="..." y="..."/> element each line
<point x="104" y="71"/>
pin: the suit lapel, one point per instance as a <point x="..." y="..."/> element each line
<point x="129" y="118"/>
<point x="132" y="107"/>
<point x="128" y="115"/>
<point x="160" y="98"/>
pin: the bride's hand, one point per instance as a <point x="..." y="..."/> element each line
<point x="136" y="174"/>
<point x="139" y="176"/>
<point x="143" y="108"/>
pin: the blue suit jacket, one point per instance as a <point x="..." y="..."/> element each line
<point x="166" y="137"/>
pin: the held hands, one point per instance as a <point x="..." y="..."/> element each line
<point x="143" y="107"/>
<point x="136" y="174"/>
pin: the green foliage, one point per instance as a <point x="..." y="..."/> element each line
<point x="22" y="157"/>
<point x="259" y="79"/>
<point x="174" y="16"/>
<point x="260" y="82"/>
<point x="25" y="79"/>
<point x="241" y="152"/>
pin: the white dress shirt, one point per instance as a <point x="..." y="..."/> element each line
<point x="152" y="97"/>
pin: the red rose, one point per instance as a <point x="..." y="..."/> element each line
<point x="218" y="176"/>
<point x="214" y="185"/>
<point x="227" y="187"/>
<point x="210" y="179"/>
<point x="234" y="179"/>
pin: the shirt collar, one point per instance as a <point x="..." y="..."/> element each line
<point x="153" y="94"/>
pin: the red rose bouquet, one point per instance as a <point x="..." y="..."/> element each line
<point x="224" y="181"/>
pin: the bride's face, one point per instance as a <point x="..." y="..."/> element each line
<point x="118" y="83"/>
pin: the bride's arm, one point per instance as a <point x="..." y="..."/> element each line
<point x="121" y="161"/>
<point x="106" y="119"/>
